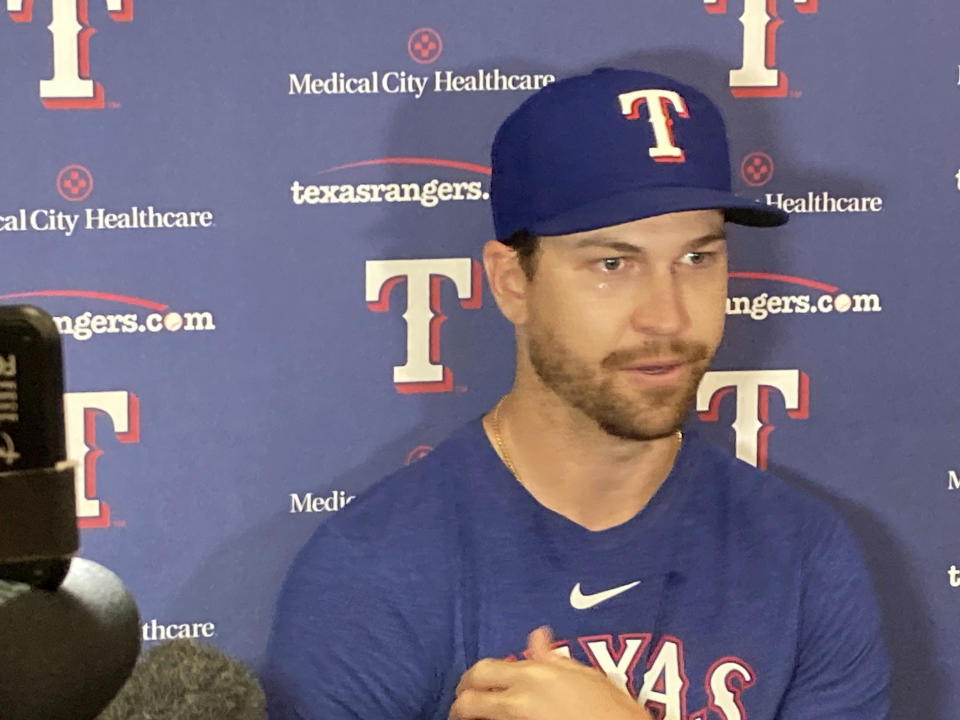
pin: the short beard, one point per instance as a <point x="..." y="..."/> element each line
<point x="659" y="413"/>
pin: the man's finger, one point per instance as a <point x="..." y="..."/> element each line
<point x="540" y="644"/>
<point x="474" y="704"/>
<point x="488" y="674"/>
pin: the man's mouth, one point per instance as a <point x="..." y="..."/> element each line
<point x="656" y="365"/>
<point x="667" y="371"/>
<point x="655" y="369"/>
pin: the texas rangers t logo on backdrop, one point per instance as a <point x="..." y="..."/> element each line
<point x="752" y="420"/>
<point x="71" y="85"/>
<point x="423" y="372"/>
<point x="658" y="104"/>
<point x="758" y="76"/>
<point x="80" y="410"/>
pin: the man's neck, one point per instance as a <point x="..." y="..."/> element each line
<point x="572" y="466"/>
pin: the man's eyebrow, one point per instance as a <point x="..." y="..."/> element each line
<point x="608" y="243"/>
<point x="708" y="238"/>
<point x="628" y="248"/>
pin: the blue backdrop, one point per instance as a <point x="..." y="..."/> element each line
<point x="212" y="199"/>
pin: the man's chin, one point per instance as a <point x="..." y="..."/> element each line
<point x="642" y="426"/>
<point x="636" y="433"/>
<point x="650" y="415"/>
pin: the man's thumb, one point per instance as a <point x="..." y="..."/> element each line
<point x="539" y="644"/>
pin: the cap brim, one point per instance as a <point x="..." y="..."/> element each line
<point x="648" y="202"/>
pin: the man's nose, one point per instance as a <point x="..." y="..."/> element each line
<point x="659" y="307"/>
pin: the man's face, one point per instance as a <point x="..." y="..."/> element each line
<point x="622" y="321"/>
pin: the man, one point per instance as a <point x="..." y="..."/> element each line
<point x="574" y="528"/>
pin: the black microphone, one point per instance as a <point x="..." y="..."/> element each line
<point x="69" y="629"/>
<point x="38" y="524"/>
<point x="64" y="654"/>
<point x="186" y="680"/>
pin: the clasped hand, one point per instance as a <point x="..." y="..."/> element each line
<point x="545" y="686"/>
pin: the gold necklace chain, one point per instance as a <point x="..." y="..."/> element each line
<point x="499" y="440"/>
<point x="502" y="451"/>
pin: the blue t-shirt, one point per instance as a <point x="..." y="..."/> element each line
<point x="730" y="596"/>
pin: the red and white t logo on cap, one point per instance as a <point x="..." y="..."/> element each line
<point x="658" y="107"/>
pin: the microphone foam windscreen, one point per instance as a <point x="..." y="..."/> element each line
<point x="187" y="680"/>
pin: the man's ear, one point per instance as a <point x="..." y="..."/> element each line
<point x="507" y="281"/>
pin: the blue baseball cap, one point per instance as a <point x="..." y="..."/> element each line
<point x="610" y="147"/>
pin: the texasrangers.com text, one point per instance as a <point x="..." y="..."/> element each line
<point x="88" y="324"/>
<point x="760" y="307"/>
<point x="428" y="194"/>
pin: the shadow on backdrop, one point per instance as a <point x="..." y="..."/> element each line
<point x="907" y="625"/>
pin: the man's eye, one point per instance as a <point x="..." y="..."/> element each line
<point x="696" y="258"/>
<point x="612" y="263"/>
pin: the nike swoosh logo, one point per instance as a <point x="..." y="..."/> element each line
<point x="579" y="601"/>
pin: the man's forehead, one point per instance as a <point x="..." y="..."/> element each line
<point x="686" y="226"/>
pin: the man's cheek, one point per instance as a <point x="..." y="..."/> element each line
<point x="708" y="315"/>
